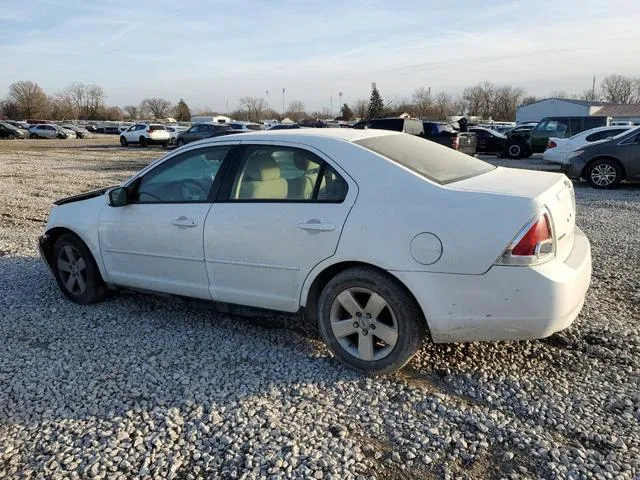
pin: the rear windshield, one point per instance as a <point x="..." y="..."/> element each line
<point x="440" y="164"/>
<point x="395" y="124"/>
<point x="157" y="127"/>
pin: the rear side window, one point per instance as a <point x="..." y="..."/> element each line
<point x="603" y="134"/>
<point x="439" y="164"/>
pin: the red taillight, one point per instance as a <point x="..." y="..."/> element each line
<point x="538" y="233"/>
<point x="552" y="144"/>
<point x="455" y="143"/>
<point x="533" y="245"/>
<point x="149" y="131"/>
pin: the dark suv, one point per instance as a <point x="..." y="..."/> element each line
<point x="203" y="130"/>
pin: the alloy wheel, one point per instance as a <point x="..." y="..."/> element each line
<point x="72" y="269"/>
<point x="364" y="324"/>
<point x="603" y="175"/>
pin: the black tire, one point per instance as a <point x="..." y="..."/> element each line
<point x="94" y="288"/>
<point x="514" y="150"/>
<point x="604" y="173"/>
<point x="123" y="141"/>
<point x="164" y="145"/>
<point x="180" y="142"/>
<point x="143" y="142"/>
<point x="33" y="136"/>
<point x="11" y="136"/>
<point x="401" y="311"/>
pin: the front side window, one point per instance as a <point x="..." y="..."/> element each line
<point x="185" y="178"/>
<point x="552" y="127"/>
<point x="274" y="173"/>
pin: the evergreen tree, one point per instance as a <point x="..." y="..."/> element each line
<point x="183" y="114"/>
<point x="375" y="103"/>
<point x="346" y="113"/>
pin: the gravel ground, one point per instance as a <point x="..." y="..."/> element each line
<point x="163" y="387"/>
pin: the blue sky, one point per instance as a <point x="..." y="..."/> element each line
<point x="213" y="52"/>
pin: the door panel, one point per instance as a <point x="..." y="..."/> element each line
<point x="259" y="252"/>
<point x="155" y="242"/>
<point x="143" y="247"/>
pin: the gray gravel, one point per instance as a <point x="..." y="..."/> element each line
<point x="162" y="387"/>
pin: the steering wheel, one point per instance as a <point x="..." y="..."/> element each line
<point x="192" y="190"/>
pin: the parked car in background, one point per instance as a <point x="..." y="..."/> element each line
<point x="397" y="124"/>
<point x="174" y="131"/>
<point x="145" y="134"/>
<point x="489" y="141"/>
<point x="245" y="126"/>
<point x="70" y="134"/>
<point x="80" y="132"/>
<point x="523" y="144"/>
<point x="91" y="128"/>
<point x="447" y="135"/>
<point x="46" y="131"/>
<point x="201" y="131"/>
<point x="22" y="125"/>
<point x="9" y="132"/>
<point x="283" y="229"/>
<point x="605" y="163"/>
<point x="558" y="148"/>
<point x="284" y="126"/>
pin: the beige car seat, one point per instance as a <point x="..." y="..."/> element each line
<point x="301" y="188"/>
<point x="262" y="179"/>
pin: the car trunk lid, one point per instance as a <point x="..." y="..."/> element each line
<point x="553" y="191"/>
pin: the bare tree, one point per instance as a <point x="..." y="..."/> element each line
<point x="589" y="95"/>
<point x="618" y="89"/>
<point x="528" y="100"/>
<point x="131" y="111"/>
<point x="29" y="97"/>
<point x="443" y="105"/>
<point x="95" y="102"/>
<point x="158" y="107"/>
<point x="460" y="105"/>
<point x="474" y="98"/>
<point x="422" y="103"/>
<point x="506" y="101"/>
<point x="296" y="111"/>
<point x="360" y="107"/>
<point x="254" y="107"/>
<point x="60" y="108"/>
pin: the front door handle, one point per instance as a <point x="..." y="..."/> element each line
<point x="317" y="226"/>
<point x="184" y="222"/>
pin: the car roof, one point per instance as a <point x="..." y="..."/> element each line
<point x="310" y="134"/>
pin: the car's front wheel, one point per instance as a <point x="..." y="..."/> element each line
<point x="370" y="321"/>
<point x="180" y="142"/>
<point x="76" y="271"/>
<point x="604" y="173"/>
<point x="123" y="141"/>
<point x="143" y="142"/>
<point x="514" y="151"/>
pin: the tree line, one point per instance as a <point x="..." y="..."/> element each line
<point x="26" y="99"/>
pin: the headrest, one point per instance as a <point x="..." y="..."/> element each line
<point x="262" y="168"/>
<point x="303" y="163"/>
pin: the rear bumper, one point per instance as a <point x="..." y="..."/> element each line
<point x="157" y="141"/>
<point x="506" y="303"/>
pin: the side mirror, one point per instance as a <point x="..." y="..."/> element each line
<point x="118" y="197"/>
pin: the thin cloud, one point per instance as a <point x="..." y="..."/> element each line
<point x="118" y="34"/>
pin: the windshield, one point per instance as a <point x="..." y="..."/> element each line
<point x="440" y="164"/>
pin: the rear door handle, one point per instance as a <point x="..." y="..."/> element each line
<point x="317" y="226"/>
<point x="184" y="222"/>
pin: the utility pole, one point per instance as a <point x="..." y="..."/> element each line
<point x="593" y="89"/>
<point x="331" y="106"/>
<point x="267" y="92"/>
<point x="283" y="103"/>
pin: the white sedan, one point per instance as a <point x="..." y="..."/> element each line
<point x="382" y="238"/>
<point x="558" y="149"/>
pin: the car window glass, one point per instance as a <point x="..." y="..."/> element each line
<point x="575" y="125"/>
<point x="184" y="178"/>
<point x="285" y="173"/>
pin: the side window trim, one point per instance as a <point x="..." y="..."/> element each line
<point x="213" y="190"/>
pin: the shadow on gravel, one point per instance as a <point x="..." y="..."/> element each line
<point x="136" y="352"/>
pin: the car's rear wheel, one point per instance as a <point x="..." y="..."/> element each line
<point x="11" y="136"/>
<point x="143" y="142"/>
<point x="33" y="136"/>
<point x="604" y="173"/>
<point x="123" y="141"/>
<point x="164" y="145"/>
<point x="76" y="271"/>
<point x="180" y="142"/>
<point x="369" y="321"/>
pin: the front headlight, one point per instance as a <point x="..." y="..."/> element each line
<point x="574" y="154"/>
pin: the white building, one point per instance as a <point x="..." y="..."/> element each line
<point x="561" y="107"/>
